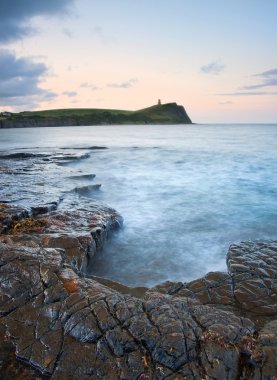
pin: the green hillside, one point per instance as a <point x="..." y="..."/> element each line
<point x="169" y="113"/>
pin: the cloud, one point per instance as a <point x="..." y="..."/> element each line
<point x="267" y="83"/>
<point x="269" y="79"/>
<point x="15" y="16"/>
<point x="238" y="93"/>
<point x="70" y="94"/>
<point x="20" y="79"/>
<point x="11" y="67"/>
<point x="267" y="74"/>
<point x="30" y="102"/>
<point x="91" y="86"/>
<point x="226" y="103"/>
<point x="213" y="68"/>
<point x="127" y="84"/>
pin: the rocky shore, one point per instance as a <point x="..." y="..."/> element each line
<point x="68" y="325"/>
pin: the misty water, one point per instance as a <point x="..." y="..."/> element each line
<point x="185" y="192"/>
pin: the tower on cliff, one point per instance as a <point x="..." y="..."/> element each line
<point x="159" y="102"/>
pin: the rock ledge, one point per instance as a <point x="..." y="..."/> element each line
<point x="70" y="326"/>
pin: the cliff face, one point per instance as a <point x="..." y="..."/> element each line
<point x="175" y="113"/>
<point x="30" y="123"/>
<point x="169" y="113"/>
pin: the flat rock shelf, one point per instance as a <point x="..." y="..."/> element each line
<point x="58" y="322"/>
<point x="71" y="326"/>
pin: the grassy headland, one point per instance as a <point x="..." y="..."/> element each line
<point x="169" y="113"/>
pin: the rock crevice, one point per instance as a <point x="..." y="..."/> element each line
<point x="68" y="325"/>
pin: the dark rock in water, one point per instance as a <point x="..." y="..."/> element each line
<point x="88" y="148"/>
<point x="46" y="183"/>
<point x="73" y="327"/>
<point x="85" y="190"/>
<point x="21" y="155"/>
<point x="249" y="286"/>
<point x="83" y="176"/>
<point x="69" y="157"/>
<point x="44" y="209"/>
<point x="63" y="160"/>
<point x="97" y="147"/>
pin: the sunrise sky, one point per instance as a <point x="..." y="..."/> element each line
<point x="217" y="58"/>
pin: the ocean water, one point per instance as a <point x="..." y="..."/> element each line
<point x="186" y="192"/>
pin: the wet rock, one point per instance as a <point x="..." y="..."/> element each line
<point x="21" y="155"/>
<point x="66" y="159"/>
<point x="97" y="147"/>
<point x="35" y="179"/>
<point x="110" y="334"/>
<point x="10" y="368"/>
<point x="250" y="286"/>
<point x="71" y="326"/>
<point x="10" y="214"/>
<point x="80" y="233"/>
<point x="44" y="209"/>
<point x="253" y="267"/>
<point x="83" y="176"/>
<point x="94" y="147"/>
<point x="268" y="341"/>
<point x="86" y="190"/>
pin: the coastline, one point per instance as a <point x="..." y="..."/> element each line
<point x="49" y="302"/>
<point x="169" y="113"/>
<point x="67" y="324"/>
<point x="71" y="123"/>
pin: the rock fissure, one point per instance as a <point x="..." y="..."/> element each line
<point x="68" y="325"/>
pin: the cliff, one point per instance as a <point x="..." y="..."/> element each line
<point x="169" y="113"/>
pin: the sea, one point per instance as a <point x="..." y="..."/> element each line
<point x="186" y="192"/>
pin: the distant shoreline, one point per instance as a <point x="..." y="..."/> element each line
<point x="49" y="125"/>
<point x="169" y="113"/>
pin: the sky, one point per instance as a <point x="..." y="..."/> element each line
<point x="217" y="58"/>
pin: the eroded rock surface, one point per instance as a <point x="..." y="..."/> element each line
<point x="250" y="286"/>
<point x="42" y="178"/>
<point x="80" y="232"/>
<point x="70" y="326"/>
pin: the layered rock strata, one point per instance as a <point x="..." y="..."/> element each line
<point x="70" y="326"/>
